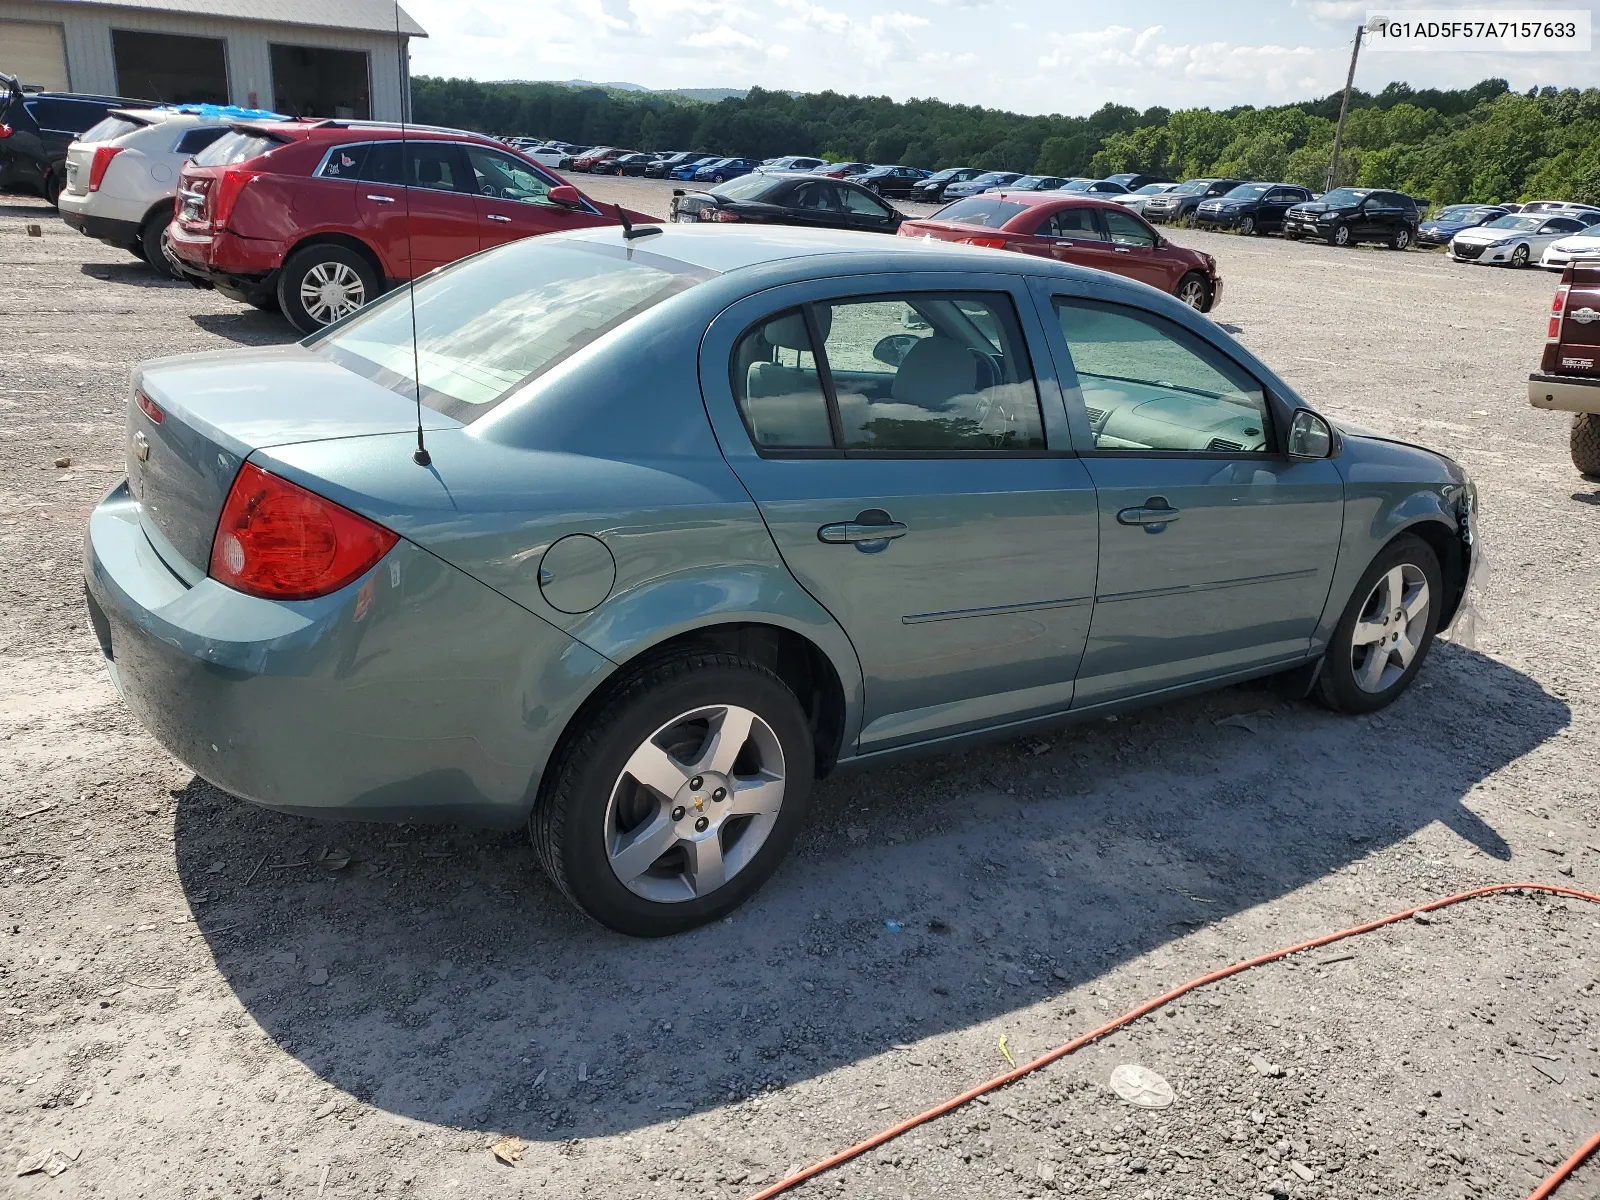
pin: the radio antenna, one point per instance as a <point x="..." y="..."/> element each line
<point x="420" y="455"/>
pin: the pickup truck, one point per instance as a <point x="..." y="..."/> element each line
<point x="1568" y="378"/>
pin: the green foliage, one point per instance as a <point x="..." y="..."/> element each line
<point x="1483" y="143"/>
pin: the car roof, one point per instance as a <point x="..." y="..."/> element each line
<point x="356" y="131"/>
<point x="1057" y="199"/>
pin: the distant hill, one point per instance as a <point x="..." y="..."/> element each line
<point x="709" y="95"/>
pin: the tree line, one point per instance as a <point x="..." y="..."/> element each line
<point x="1484" y="143"/>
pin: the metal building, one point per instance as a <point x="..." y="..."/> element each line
<point x="324" y="58"/>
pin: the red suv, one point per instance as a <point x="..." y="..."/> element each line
<point x="1077" y="229"/>
<point x="317" y="218"/>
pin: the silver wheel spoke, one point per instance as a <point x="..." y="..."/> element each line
<point x="727" y="739"/>
<point x="1406" y="648"/>
<point x="655" y="768"/>
<point x="757" y="796"/>
<point x="706" y="871"/>
<point x="635" y="855"/>
<point x="1366" y="633"/>
<point x="1415" y="604"/>
<point x="1394" y="587"/>
<point x="1371" y="676"/>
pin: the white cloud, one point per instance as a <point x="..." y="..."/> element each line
<point x="723" y="37"/>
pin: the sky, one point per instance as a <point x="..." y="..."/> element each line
<point x="1033" y="56"/>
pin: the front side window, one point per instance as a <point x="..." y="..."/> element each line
<point x="1127" y="230"/>
<point x="1149" y="384"/>
<point x="927" y="373"/>
<point x="505" y="178"/>
<point x="817" y="197"/>
<point x="863" y="203"/>
<point x="489" y="324"/>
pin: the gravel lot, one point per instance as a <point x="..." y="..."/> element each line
<point x="191" y="1004"/>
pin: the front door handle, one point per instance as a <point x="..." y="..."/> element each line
<point x="1122" y="249"/>
<point x="497" y="217"/>
<point x="851" y="533"/>
<point x="382" y="199"/>
<point x="1155" y="514"/>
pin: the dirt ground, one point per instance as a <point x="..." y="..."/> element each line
<point x="194" y="1003"/>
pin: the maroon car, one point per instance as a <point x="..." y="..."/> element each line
<point x="1078" y="230"/>
<point x="1568" y="378"/>
<point x="318" y="218"/>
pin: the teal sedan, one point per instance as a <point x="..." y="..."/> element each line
<point x="641" y="535"/>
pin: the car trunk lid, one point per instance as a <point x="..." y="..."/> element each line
<point x="192" y="422"/>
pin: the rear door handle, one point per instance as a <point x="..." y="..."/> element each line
<point x="848" y="533"/>
<point x="382" y="199"/>
<point x="1155" y="514"/>
<point x="497" y="217"/>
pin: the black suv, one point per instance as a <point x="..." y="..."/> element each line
<point x="1181" y="202"/>
<point x="931" y="189"/>
<point x="37" y="127"/>
<point x="1348" y="215"/>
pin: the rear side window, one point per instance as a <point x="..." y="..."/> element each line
<point x="66" y="116"/>
<point x="345" y="162"/>
<point x="110" y="129"/>
<point x="980" y="210"/>
<point x="235" y="146"/>
<point x="196" y="140"/>
<point x="921" y="373"/>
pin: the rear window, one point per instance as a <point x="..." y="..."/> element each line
<point x="980" y="210"/>
<point x="491" y="323"/>
<point x="111" y="129"/>
<point x="235" y="146"/>
<point x="745" y="187"/>
<point x="196" y="140"/>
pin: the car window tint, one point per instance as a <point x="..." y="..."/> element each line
<point x="345" y="162"/>
<point x="1076" y="223"/>
<point x="196" y="140"/>
<point x="382" y="164"/>
<point x="931" y="373"/>
<point x="980" y="210"/>
<point x="863" y="203"/>
<point x="1149" y="384"/>
<point x="1127" y="230"/>
<point x="505" y="178"/>
<point x="778" y="387"/>
<point x="65" y="116"/>
<point x="234" y="147"/>
<point x="816" y="197"/>
<point x="438" y="167"/>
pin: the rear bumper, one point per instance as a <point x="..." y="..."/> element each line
<point x="102" y="229"/>
<point x="416" y="693"/>
<point x="1564" y="393"/>
<point x="246" y="267"/>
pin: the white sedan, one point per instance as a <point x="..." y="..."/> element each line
<point x="1515" y="239"/>
<point x="1582" y="245"/>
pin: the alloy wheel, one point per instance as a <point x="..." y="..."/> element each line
<point x="1341" y="236"/>
<point x="1402" y="238"/>
<point x="694" y="804"/>
<point x="1247" y="226"/>
<point x="1519" y="256"/>
<point x="331" y="290"/>
<point x="1390" y="629"/>
<point x="1193" y="293"/>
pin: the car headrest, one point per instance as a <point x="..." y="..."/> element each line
<point x="789" y="330"/>
<point x="935" y="370"/>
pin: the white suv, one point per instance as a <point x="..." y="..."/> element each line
<point x="122" y="174"/>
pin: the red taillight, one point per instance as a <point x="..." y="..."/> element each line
<point x="992" y="243"/>
<point x="149" y="408"/>
<point x="721" y="214"/>
<point x="1558" y="309"/>
<point x="5" y="132"/>
<point x="225" y="193"/>
<point x="102" y="159"/>
<point x="279" y="541"/>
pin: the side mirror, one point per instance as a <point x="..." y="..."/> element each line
<point x="892" y="350"/>
<point x="1309" y="436"/>
<point x="566" y="196"/>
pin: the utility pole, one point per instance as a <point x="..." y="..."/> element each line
<point x="1344" y="108"/>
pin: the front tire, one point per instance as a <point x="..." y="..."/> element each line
<point x="1386" y="631"/>
<point x="320" y="284"/>
<point x="1520" y="256"/>
<point x="1248" y="226"/>
<point x="1194" y="289"/>
<point x="678" y="797"/>
<point x="1586" y="443"/>
<point x="1340" y="235"/>
<point x="719" y="177"/>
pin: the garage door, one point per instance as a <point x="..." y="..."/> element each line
<point x="36" y="54"/>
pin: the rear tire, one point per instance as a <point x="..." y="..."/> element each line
<point x="320" y="284"/>
<point x="150" y="235"/>
<point x="1401" y="239"/>
<point x="52" y="189"/>
<point x="1393" y="613"/>
<point x="592" y="824"/>
<point x="1586" y="444"/>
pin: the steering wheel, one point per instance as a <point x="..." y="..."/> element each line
<point x="487" y="189"/>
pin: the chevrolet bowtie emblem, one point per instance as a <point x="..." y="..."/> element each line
<point x="699" y="804"/>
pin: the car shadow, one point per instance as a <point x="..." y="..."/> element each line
<point x="40" y="209"/>
<point x="248" y="327"/>
<point x="433" y="972"/>
<point x="134" y="273"/>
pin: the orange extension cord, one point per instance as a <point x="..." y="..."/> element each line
<point x="1544" y="1190"/>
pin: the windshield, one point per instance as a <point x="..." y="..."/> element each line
<point x="745" y="187"/>
<point x="947" y="173"/>
<point x="995" y="177"/>
<point x="1150" y="189"/>
<point x="1194" y="187"/>
<point x="1346" y="196"/>
<point x="492" y="322"/>
<point x="1462" y="212"/>
<point x="1249" y="191"/>
<point x="1510" y="221"/>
